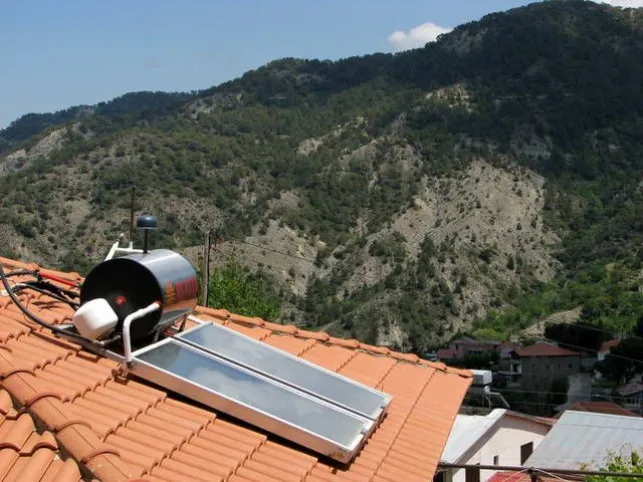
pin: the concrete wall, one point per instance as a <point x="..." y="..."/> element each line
<point x="538" y="372"/>
<point x="580" y="387"/>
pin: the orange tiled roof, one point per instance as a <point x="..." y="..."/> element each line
<point x="606" y="345"/>
<point x="26" y="454"/>
<point x="122" y="429"/>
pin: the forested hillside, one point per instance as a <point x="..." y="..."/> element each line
<point x="483" y="183"/>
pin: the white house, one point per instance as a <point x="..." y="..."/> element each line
<point x="502" y="437"/>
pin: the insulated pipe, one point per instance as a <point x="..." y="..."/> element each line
<point x="127" y="344"/>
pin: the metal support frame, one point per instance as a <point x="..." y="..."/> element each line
<point x="116" y="249"/>
<point x="127" y="342"/>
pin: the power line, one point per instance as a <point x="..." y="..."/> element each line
<point x="369" y="278"/>
<point x="519" y="390"/>
<point x="531" y="470"/>
<point x="602" y="330"/>
<point x="539" y="404"/>
<point x="594" y="351"/>
<point x="266" y="248"/>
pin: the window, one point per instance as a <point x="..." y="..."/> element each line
<point x="439" y="476"/>
<point x="472" y="475"/>
<point x="525" y="452"/>
<point x="495" y="460"/>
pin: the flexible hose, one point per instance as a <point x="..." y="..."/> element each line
<point x="33" y="317"/>
<point x="49" y="293"/>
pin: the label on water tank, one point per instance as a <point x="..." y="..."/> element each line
<point x="186" y="289"/>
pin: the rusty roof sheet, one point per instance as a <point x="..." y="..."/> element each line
<point x="526" y="477"/>
<point x="545" y="349"/>
<point x="121" y="429"/>
<point x="599" y="407"/>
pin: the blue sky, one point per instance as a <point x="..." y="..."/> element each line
<point x="60" y="53"/>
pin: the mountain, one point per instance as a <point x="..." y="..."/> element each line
<point x="481" y="183"/>
<point x="140" y="104"/>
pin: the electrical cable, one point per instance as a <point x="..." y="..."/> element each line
<point x="58" y="289"/>
<point x="549" y="474"/>
<point x="511" y="475"/>
<point x="594" y="351"/>
<point x="272" y="250"/>
<point x="602" y="330"/>
<point x="20" y="272"/>
<point x="49" y="287"/>
<point x="35" y="318"/>
<point x="47" y="292"/>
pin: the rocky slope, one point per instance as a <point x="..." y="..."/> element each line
<point x="396" y="198"/>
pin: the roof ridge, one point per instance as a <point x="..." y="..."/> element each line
<point x="226" y="316"/>
<point x="70" y="275"/>
<point x="320" y="336"/>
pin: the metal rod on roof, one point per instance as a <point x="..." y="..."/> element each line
<point x="206" y="268"/>
<point x="508" y="468"/>
<point x="131" y="215"/>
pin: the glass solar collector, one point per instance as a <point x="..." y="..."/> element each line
<point x="266" y="387"/>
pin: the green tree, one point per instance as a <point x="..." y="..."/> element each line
<point x="631" y="464"/>
<point x="558" y="390"/>
<point x="624" y="361"/>
<point x="577" y="334"/>
<point x="239" y="290"/>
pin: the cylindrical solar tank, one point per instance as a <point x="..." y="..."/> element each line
<point x="135" y="281"/>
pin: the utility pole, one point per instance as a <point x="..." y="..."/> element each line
<point x="206" y="268"/>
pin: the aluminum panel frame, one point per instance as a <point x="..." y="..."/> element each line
<point x="333" y="449"/>
<point x="363" y="400"/>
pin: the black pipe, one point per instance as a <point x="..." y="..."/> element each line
<point x="36" y="319"/>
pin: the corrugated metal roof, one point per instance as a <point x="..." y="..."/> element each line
<point x="466" y="431"/>
<point x="580" y="438"/>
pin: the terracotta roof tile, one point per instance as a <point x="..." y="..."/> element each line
<point x="121" y="429"/>
<point x="295" y="346"/>
<point x="26" y="454"/>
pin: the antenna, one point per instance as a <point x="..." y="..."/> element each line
<point x="146" y="223"/>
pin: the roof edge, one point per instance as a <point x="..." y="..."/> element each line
<point x="226" y="316"/>
<point x="532" y="418"/>
<point x="501" y="413"/>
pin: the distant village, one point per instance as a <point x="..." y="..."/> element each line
<point x="541" y="379"/>
<point x="537" y="405"/>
